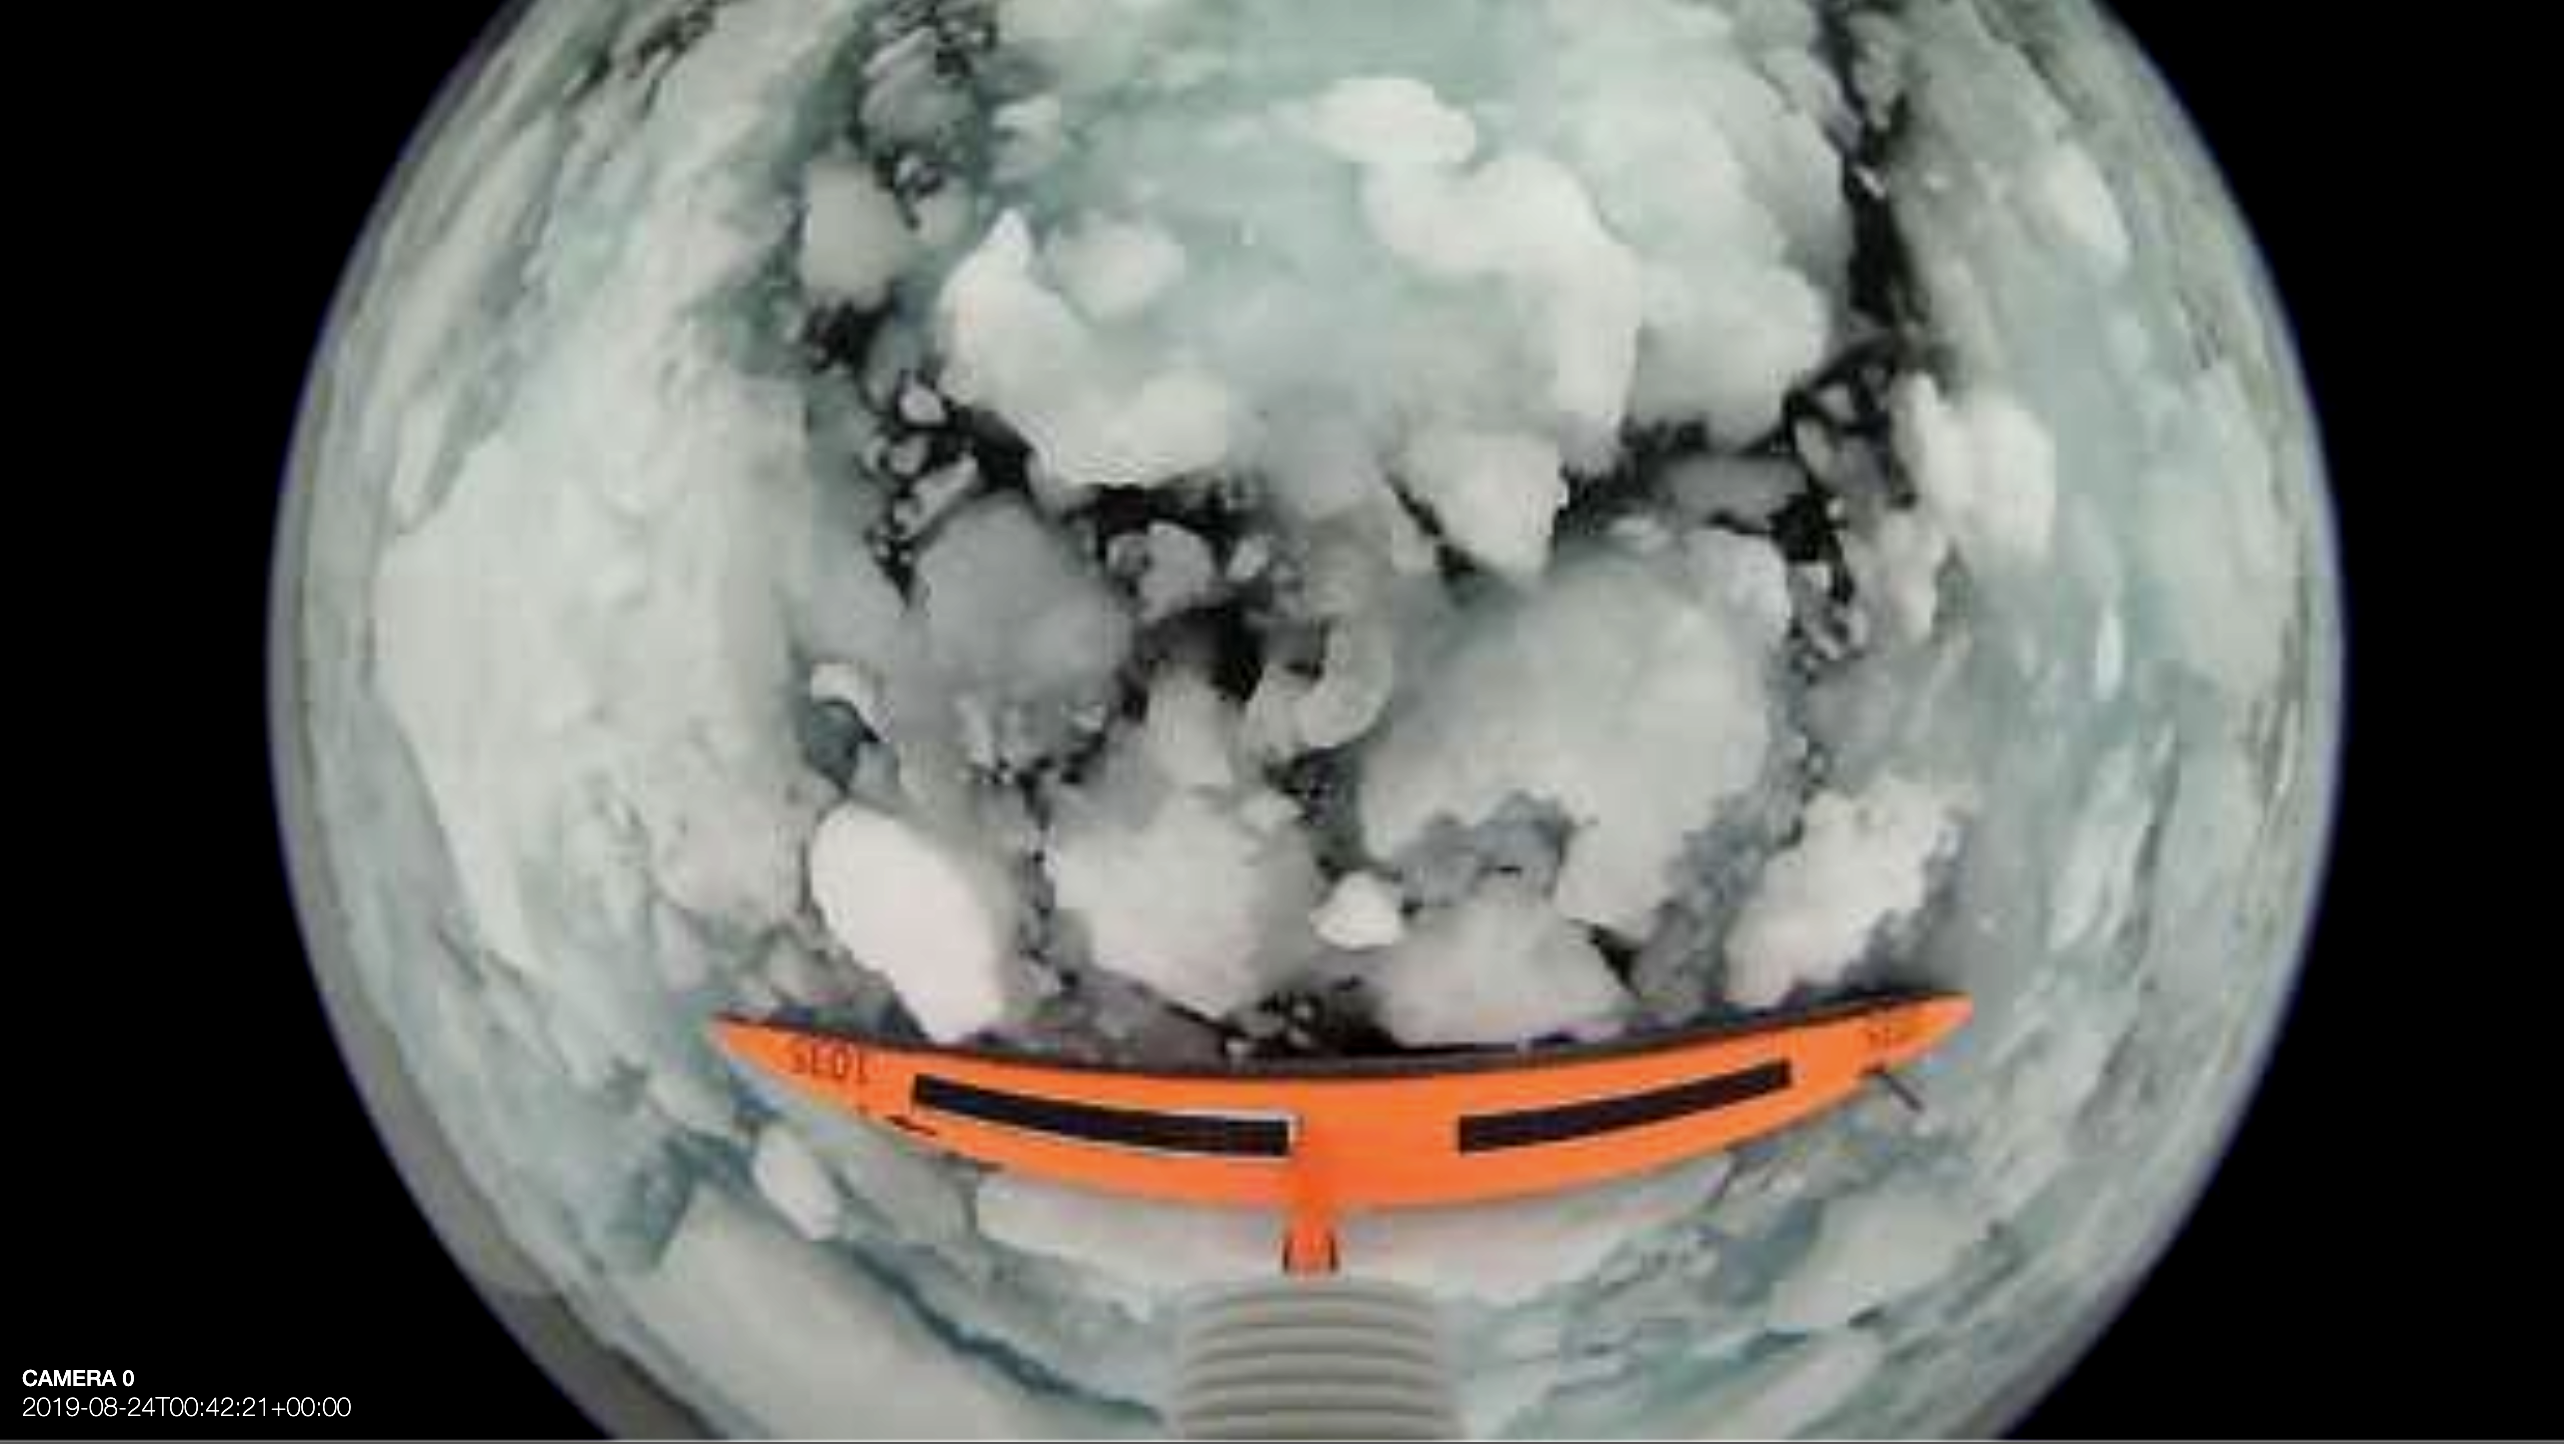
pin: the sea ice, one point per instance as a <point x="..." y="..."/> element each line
<point x="2073" y="197"/>
<point x="854" y="241"/>
<point x="806" y="1341"/>
<point x="1524" y="220"/>
<point x="1176" y="890"/>
<point x="1389" y="121"/>
<point x="936" y="922"/>
<point x="1494" y="495"/>
<point x="1862" y="863"/>
<point x="795" y="1182"/>
<point x="1501" y="967"/>
<point x="1510" y="1253"/>
<point x="1361" y="912"/>
<point x="1114" y="269"/>
<point x="1872" y="1248"/>
<point x="1619" y="693"/>
<point x="1014" y="345"/>
<point x="1010" y="613"/>
<point x="1986" y="466"/>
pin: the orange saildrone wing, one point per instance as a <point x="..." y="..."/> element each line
<point x="1313" y="1140"/>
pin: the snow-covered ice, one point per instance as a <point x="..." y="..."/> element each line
<point x="2074" y="198"/>
<point x="934" y="921"/>
<point x="807" y="1346"/>
<point x="1871" y="1249"/>
<point x="1113" y="269"/>
<point x="854" y="241"/>
<point x="1389" y="121"/>
<point x="1495" y="495"/>
<point x="1177" y="890"/>
<point x="1181" y="572"/>
<point x="1620" y="694"/>
<point x="1191" y="731"/>
<point x="1986" y="466"/>
<point x="1511" y="1253"/>
<point x="1015" y="345"/>
<point x="1009" y="611"/>
<point x="1863" y="864"/>
<point x="1500" y="967"/>
<point x="1523" y="220"/>
<point x="794" y="1180"/>
<point x="1361" y="911"/>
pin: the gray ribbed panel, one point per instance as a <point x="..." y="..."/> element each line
<point x="1313" y="1357"/>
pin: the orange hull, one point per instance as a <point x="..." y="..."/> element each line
<point x="1314" y="1141"/>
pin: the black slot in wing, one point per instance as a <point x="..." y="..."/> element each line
<point x="1524" y="1128"/>
<point x="1214" y="1134"/>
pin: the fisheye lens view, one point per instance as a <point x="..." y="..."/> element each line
<point x="1122" y="718"/>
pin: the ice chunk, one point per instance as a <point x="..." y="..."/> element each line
<point x="1191" y="730"/>
<point x="1181" y="572"/>
<point x="2109" y="655"/>
<point x="1014" y="346"/>
<point x="1862" y="863"/>
<point x="1986" y="467"/>
<point x="1006" y="332"/>
<point x="520" y="722"/>
<point x="923" y="1201"/>
<point x="1494" y="494"/>
<point x="1525" y="220"/>
<point x="1141" y="1255"/>
<point x="1730" y="347"/>
<point x="1269" y="725"/>
<point x="914" y="1192"/>
<point x="1741" y="489"/>
<point x="1359" y="670"/>
<point x="1748" y="575"/>
<point x="1388" y="120"/>
<point x="1624" y="693"/>
<point x="920" y="406"/>
<point x="849" y="686"/>
<point x="1361" y="912"/>
<point x="2072" y="198"/>
<point x="1500" y="967"/>
<point x="807" y="1340"/>
<point x="1250" y="558"/>
<point x="2097" y="876"/>
<point x="1787" y="1398"/>
<point x="1508" y="1253"/>
<point x="1320" y="464"/>
<point x="937" y="923"/>
<point x="1030" y="138"/>
<point x="793" y="1180"/>
<point x="688" y="1100"/>
<point x="1114" y="269"/>
<point x="2213" y="538"/>
<point x="1898" y="568"/>
<point x="1871" y="1249"/>
<point x="1011" y="610"/>
<point x="1037" y="117"/>
<point x="1690" y="155"/>
<point x="1265" y="810"/>
<point x="798" y="974"/>
<point x="1176" y="891"/>
<point x="854" y="241"/>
